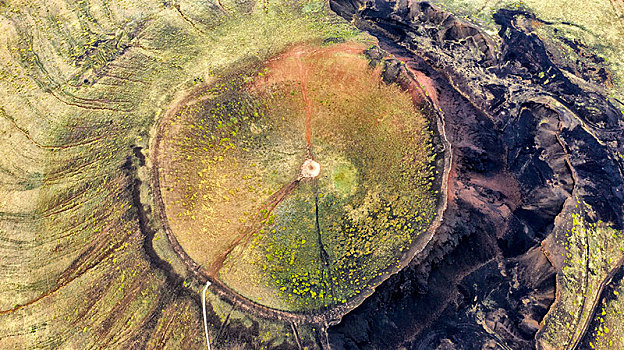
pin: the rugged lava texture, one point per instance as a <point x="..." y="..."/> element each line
<point x="534" y="150"/>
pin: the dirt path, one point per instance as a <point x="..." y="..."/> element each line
<point x="255" y="224"/>
<point x="303" y="79"/>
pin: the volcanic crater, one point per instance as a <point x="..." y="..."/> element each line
<point x="301" y="184"/>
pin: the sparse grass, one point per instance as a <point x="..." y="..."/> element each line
<point x="81" y="85"/>
<point x="230" y="152"/>
<point x="592" y="252"/>
<point x="608" y="332"/>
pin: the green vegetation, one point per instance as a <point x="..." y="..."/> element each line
<point x="592" y="252"/>
<point x="81" y="85"/>
<point x="244" y="140"/>
<point x="608" y="332"/>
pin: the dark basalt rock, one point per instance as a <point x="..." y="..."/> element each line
<point x="525" y="139"/>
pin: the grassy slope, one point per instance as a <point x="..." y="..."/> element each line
<point x="607" y="329"/>
<point x="81" y="85"/>
<point x="591" y="253"/>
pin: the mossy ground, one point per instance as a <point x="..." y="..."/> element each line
<point x="607" y="330"/>
<point x="330" y="236"/>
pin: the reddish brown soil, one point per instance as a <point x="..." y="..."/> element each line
<point x="281" y="71"/>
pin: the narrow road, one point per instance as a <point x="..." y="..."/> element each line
<point x="204" y="312"/>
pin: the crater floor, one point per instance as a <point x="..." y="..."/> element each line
<point x="302" y="182"/>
